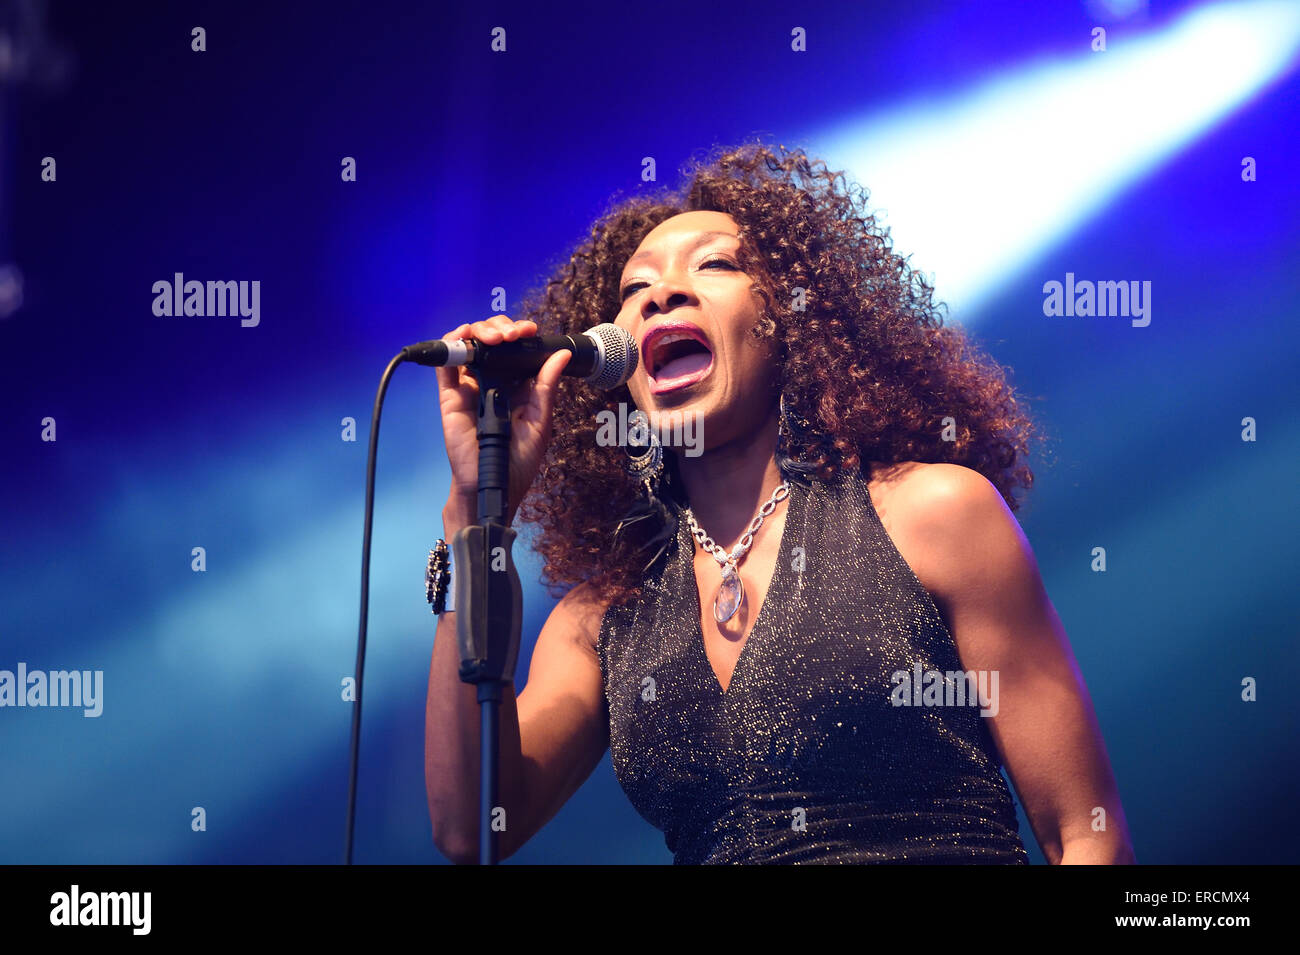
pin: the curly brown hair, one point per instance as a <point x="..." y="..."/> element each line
<point x="877" y="369"/>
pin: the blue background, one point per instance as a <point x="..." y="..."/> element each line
<point x="477" y="170"/>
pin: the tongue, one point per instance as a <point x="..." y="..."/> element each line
<point x="686" y="365"/>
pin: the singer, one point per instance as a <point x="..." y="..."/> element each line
<point x="821" y="639"/>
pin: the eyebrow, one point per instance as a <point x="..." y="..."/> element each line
<point x="701" y="240"/>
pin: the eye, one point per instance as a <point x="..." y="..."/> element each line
<point x="633" y="286"/>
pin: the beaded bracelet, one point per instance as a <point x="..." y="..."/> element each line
<point x="437" y="576"/>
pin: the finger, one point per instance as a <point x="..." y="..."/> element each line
<point x="449" y="376"/>
<point x="548" y="379"/>
<point x="455" y="381"/>
<point x="488" y="332"/>
<point x="513" y="330"/>
<point x="503" y="324"/>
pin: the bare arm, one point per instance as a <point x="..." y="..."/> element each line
<point x="967" y="548"/>
<point x="552" y="736"/>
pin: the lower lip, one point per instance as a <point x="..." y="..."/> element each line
<point x="660" y="387"/>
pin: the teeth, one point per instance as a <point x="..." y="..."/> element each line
<point x="675" y="337"/>
<point x="667" y="339"/>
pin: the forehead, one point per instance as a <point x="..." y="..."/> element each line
<point x="684" y="229"/>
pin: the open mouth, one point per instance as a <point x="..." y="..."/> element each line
<point x="676" y="356"/>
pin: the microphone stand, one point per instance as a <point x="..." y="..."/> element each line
<point x="489" y="599"/>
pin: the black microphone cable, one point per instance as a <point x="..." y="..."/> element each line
<point x="365" y="598"/>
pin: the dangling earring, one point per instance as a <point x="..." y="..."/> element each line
<point x="791" y="425"/>
<point x="646" y="466"/>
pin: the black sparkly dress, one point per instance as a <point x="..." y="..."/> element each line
<point x="805" y="758"/>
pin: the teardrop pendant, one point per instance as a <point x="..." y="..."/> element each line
<point x="730" y="596"/>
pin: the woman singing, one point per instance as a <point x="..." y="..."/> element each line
<point x="816" y="635"/>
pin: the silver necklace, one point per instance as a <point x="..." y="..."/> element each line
<point x="731" y="592"/>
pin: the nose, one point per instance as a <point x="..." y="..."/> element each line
<point x="665" y="295"/>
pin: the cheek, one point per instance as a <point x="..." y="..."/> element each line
<point x="628" y="314"/>
<point x="751" y="365"/>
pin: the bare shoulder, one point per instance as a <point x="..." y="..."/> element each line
<point x="916" y="489"/>
<point x="941" y="518"/>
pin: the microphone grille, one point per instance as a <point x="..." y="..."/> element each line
<point x="618" y="356"/>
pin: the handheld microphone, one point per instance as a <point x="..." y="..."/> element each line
<point x="605" y="356"/>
